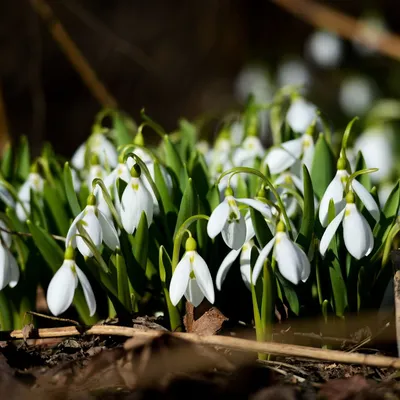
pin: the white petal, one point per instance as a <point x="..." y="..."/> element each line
<point x="93" y="229"/>
<point x="108" y="153"/>
<point x="281" y="158"/>
<point x="298" y="183"/>
<point x="249" y="228"/>
<point x="20" y="211"/>
<point x="356" y="232"/>
<point x="6" y="197"/>
<point x="60" y="292"/>
<point x="261" y="258"/>
<point x="289" y="259"/>
<point x="78" y="159"/>
<point x="180" y="279"/>
<point x="87" y="290"/>
<point x="7" y="239"/>
<point x="193" y="292"/>
<point x="367" y="199"/>
<point x="110" y="235"/>
<point x="71" y="235"/>
<point x="4" y="267"/>
<point x="308" y="154"/>
<point x="225" y="267"/>
<point x="330" y="232"/>
<point x="129" y="211"/>
<point x="258" y="205"/>
<point x="305" y="263"/>
<point x="14" y="270"/>
<point x="145" y="203"/>
<point x="24" y="193"/>
<point x="245" y="267"/>
<point x="234" y="233"/>
<point x="334" y="191"/>
<point x="203" y="276"/>
<point x="218" y="219"/>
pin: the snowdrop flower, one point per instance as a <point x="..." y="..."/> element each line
<point x="357" y="234"/>
<point x="227" y="219"/>
<point x="356" y="95"/>
<point x="135" y="200"/>
<point x="301" y="115"/>
<point x="35" y="183"/>
<point x="231" y="257"/>
<point x="6" y="197"/>
<point x="376" y="145"/>
<point x="191" y="278"/>
<point x="97" y="144"/>
<point x="335" y="190"/>
<point x="9" y="271"/>
<point x="325" y="48"/>
<point x="293" y="72"/>
<point x="292" y="262"/>
<point x="281" y="158"/>
<point x="98" y="227"/>
<point x="60" y="292"/>
<point x="250" y="149"/>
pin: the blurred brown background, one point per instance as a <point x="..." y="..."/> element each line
<point x="176" y="58"/>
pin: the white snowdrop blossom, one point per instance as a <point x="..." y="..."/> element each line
<point x="376" y="145"/>
<point x="35" y="183"/>
<point x="61" y="290"/>
<point x="301" y="115"/>
<point x="288" y="153"/>
<point x="135" y="200"/>
<point x="9" y="271"/>
<point x="335" y="191"/>
<point x="293" y="72"/>
<point x="98" y="227"/>
<point x="357" y="234"/>
<point x="292" y="262"/>
<point x="325" y="49"/>
<point x="356" y="95"/>
<point x="227" y="219"/>
<point x="231" y="257"/>
<point x="248" y="151"/>
<point x="99" y="145"/>
<point x="191" y="278"/>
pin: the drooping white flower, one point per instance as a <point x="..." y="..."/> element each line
<point x="335" y="191"/>
<point x="248" y="151"/>
<point x="191" y="278"/>
<point x="35" y="183"/>
<point x="325" y="49"/>
<point x="288" y="153"/>
<point x="292" y="262"/>
<point x="97" y="144"/>
<point x="301" y="115"/>
<point x="231" y="257"/>
<point x="293" y="72"/>
<point x="356" y="95"/>
<point x="60" y="292"/>
<point x="227" y="219"/>
<point x="357" y="234"/>
<point x="98" y="227"/>
<point x="376" y="145"/>
<point x="9" y="271"/>
<point x="135" y="200"/>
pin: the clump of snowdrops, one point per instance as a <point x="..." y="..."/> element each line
<point x="126" y="227"/>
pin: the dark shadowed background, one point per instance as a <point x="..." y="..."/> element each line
<point x="175" y="58"/>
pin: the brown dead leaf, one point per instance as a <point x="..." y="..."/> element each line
<point x="209" y="322"/>
<point x="343" y="389"/>
<point x="27" y="330"/>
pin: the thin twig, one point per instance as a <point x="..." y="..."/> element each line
<point x="40" y="315"/>
<point x="344" y="25"/>
<point x="74" y="55"/>
<point x="55" y="237"/>
<point x="278" y="349"/>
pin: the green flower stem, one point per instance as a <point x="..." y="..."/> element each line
<point x="346" y="136"/>
<point x="268" y="302"/>
<point x="6" y="314"/>
<point x="156" y="127"/>
<point x="179" y="236"/>
<point x="257" y="320"/>
<point x="356" y="174"/>
<point x="108" y="200"/>
<point x="253" y="171"/>
<point x="173" y="312"/>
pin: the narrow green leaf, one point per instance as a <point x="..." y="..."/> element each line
<point x="290" y="295"/>
<point x="188" y="207"/>
<point x="163" y="189"/>
<point x="261" y="228"/>
<point x="57" y="208"/>
<point x="122" y="281"/>
<point x="213" y="197"/>
<point x="141" y="241"/>
<point x="198" y="172"/>
<point x="307" y="224"/>
<point x="47" y="246"/>
<point x="173" y="160"/>
<point x="323" y="167"/>
<point x="124" y="128"/>
<point x="70" y="191"/>
<point x="7" y="162"/>
<point x="364" y="179"/>
<point x="23" y="159"/>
